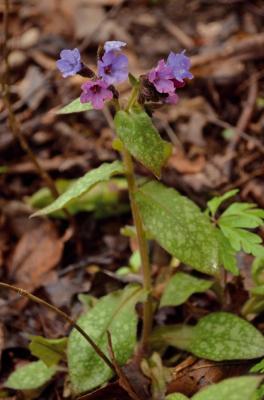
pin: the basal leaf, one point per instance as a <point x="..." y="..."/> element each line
<point x="142" y="139"/>
<point x="242" y="388"/>
<point x="180" y="287"/>
<point x="179" y="336"/>
<point x="224" y="336"/>
<point x="214" y="204"/>
<point x="74" y="107"/>
<point x="82" y="185"/>
<point x="31" y="376"/>
<point x="50" y="351"/>
<point x="114" y="313"/>
<point x="176" y="396"/>
<point x="179" y="226"/>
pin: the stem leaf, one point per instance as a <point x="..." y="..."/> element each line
<point x="75" y="106"/>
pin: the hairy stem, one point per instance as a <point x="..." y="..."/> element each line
<point x="143" y="247"/>
<point x="62" y="314"/>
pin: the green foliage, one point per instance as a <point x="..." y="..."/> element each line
<point x="231" y="389"/>
<point x="180" y="287"/>
<point x="179" y="226"/>
<point x="50" y="351"/>
<point x="258" y="270"/>
<point x="218" y="336"/>
<point x="259" y="367"/>
<point x="114" y="313"/>
<point x="103" y="200"/>
<point x="227" y="254"/>
<point x="75" y="107"/>
<point x="142" y="139"/>
<point x="215" y="202"/>
<point x="31" y="376"/>
<point x="133" y="267"/>
<point x="83" y="185"/>
<point x="158" y="375"/>
<point x="176" y="396"/>
<point x="233" y="223"/>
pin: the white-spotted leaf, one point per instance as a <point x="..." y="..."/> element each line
<point x="242" y="388"/>
<point x="142" y="139"/>
<point x="180" y="287"/>
<point x="83" y="185"/>
<point x="75" y="107"/>
<point x="50" y="351"/>
<point x="30" y="376"/>
<point x="179" y="226"/>
<point x="114" y="313"/>
<point x="223" y="336"/>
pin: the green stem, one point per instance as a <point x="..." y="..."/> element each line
<point x="143" y="247"/>
<point x="132" y="98"/>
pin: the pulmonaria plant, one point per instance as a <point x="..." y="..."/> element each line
<point x="112" y="69"/>
<point x="202" y="240"/>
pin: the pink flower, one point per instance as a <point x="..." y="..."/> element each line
<point x="96" y="92"/>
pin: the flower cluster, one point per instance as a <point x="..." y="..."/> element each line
<point x="112" y="69"/>
<point x="168" y="76"/>
<point x="159" y="84"/>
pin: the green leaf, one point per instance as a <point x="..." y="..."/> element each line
<point x="31" y="376"/>
<point x="114" y="313"/>
<point x="259" y="367"/>
<point x="179" y="336"/>
<point x="227" y="254"/>
<point x="179" y="226"/>
<point x="176" y="396"/>
<point x="258" y="270"/>
<point x="142" y="139"/>
<point x="258" y="290"/>
<point x="230" y="389"/>
<point x="82" y="185"/>
<point x="215" y="203"/>
<point x="234" y="223"/>
<point x="180" y="287"/>
<point x="50" y="351"/>
<point x="74" y="107"/>
<point x="223" y="336"/>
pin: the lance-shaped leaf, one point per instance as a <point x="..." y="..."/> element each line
<point x="114" y="313"/>
<point x="30" y="376"/>
<point x="230" y="389"/>
<point x="50" y="351"/>
<point x="142" y="139"/>
<point x="219" y="336"/>
<point x="180" y="287"/>
<point x="179" y="226"/>
<point x="82" y="185"/>
<point x="75" y="107"/>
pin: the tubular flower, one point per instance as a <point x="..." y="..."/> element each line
<point x="180" y="65"/>
<point x="113" y="67"/>
<point x="161" y="77"/>
<point x="69" y="63"/>
<point x="115" y="45"/>
<point x="96" y="92"/>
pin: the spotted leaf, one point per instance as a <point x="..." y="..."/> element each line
<point x="180" y="287"/>
<point x="231" y="389"/>
<point x="31" y="376"/>
<point x="114" y="313"/>
<point x="142" y="139"/>
<point x="83" y="185"/>
<point x="179" y="226"/>
<point x="224" y="336"/>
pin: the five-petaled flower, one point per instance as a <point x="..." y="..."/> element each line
<point x="95" y="92"/>
<point x="161" y="77"/>
<point x="70" y="62"/>
<point x="180" y="65"/>
<point x="113" y="67"/>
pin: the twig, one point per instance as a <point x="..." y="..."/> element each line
<point x="61" y="313"/>
<point x="123" y="381"/>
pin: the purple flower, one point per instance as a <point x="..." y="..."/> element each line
<point x="113" y="45"/>
<point x="162" y="77"/>
<point x="172" y="98"/>
<point x="96" y="92"/>
<point x="113" y="67"/>
<point x="69" y="63"/>
<point x="180" y="65"/>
